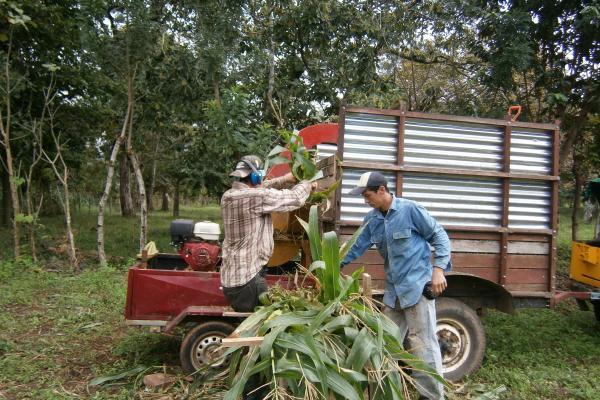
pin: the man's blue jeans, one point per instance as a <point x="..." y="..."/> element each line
<point x="419" y="321"/>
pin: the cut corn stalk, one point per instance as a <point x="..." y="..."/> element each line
<point x="324" y="342"/>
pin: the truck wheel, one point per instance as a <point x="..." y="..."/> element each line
<point x="202" y="346"/>
<point x="461" y="337"/>
<point x="596" y="304"/>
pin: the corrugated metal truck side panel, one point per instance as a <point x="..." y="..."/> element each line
<point x="491" y="183"/>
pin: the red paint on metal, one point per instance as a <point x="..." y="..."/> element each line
<point x="163" y="294"/>
<point x="564" y="295"/>
<point x="560" y="296"/>
<point x="311" y="136"/>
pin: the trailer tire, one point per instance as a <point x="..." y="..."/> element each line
<point x="201" y="346"/>
<point x="461" y="337"/>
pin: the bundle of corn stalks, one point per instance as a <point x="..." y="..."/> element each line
<point x="325" y="340"/>
<point x="302" y="163"/>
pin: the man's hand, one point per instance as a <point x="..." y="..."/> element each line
<point x="289" y="177"/>
<point x="313" y="186"/>
<point x="438" y="281"/>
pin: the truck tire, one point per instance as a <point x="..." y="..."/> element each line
<point x="461" y="337"/>
<point x="596" y="304"/>
<point x="201" y="346"/>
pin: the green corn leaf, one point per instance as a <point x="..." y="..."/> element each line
<point x="341" y="321"/>
<point x="297" y="342"/>
<point x="103" y="379"/>
<point x="293" y="342"/>
<point x="351" y="333"/>
<point x="355" y="277"/>
<point x="369" y="317"/>
<point x="313" y="232"/>
<point x="276" y="150"/>
<point x="318" y="269"/>
<point x="342" y="387"/>
<point x="377" y="357"/>
<point x="297" y="171"/>
<point x="304" y="224"/>
<point x="246" y="370"/>
<point x="322" y="371"/>
<point x="309" y="169"/>
<point x="347" y="245"/>
<point x="256" y="319"/>
<point x="233" y="364"/>
<point x="289" y="319"/>
<point x="334" y="380"/>
<point x="323" y="315"/>
<point x="361" y="350"/>
<point x="317" y="265"/>
<point x="267" y="344"/>
<point x="331" y="256"/>
<point x="276" y="161"/>
<point x="353" y="375"/>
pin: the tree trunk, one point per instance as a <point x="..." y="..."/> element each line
<point x="176" y="200"/>
<point x="62" y="174"/>
<point x="6" y="215"/>
<point x="5" y="127"/>
<point x="109" y="179"/>
<point x="152" y="179"/>
<point x="12" y="182"/>
<point x="165" y="201"/>
<point x="142" y="198"/>
<point x="579" y="181"/>
<point x="125" y="187"/>
<point x="573" y="133"/>
<point x="68" y="226"/>
<point x="34" y="213"/>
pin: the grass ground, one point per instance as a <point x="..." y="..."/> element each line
<point x="60" y="330"/>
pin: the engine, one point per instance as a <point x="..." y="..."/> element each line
<point x="197" y="243"/>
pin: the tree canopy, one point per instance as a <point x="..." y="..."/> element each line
<point x="210" y="81"/>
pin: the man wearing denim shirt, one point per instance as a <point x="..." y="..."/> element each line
<point x="402" y="231"/>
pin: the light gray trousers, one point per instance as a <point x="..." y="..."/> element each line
<point x="419" y="321"/>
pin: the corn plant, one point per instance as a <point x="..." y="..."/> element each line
<point x="324" y="341"/>
<point x="301" y="161"/>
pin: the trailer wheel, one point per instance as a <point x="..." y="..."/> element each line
<point x="461" y="337"/>
<point x="201" y="346"/>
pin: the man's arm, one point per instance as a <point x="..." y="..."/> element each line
<point x="362" y="244"/>
<point x="286" y="199"/>
<point x="279" y="182"/>
<point x="435" y="234"/>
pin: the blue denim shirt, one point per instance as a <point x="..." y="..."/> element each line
<point x="402" y="238"/>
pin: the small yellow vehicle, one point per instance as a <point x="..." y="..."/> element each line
<point x="585" y="257"/>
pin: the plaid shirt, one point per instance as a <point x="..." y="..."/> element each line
<point x="246" y="213"/>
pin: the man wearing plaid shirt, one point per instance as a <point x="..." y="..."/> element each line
<point x="246" y="210"/>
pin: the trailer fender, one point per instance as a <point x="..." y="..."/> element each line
<point x="478" y="293"/>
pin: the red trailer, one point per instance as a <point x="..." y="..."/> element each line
<point x="163" y="294"/>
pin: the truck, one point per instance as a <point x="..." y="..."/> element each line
<point x="584" y="270"/>
<point x="492" y="184"/>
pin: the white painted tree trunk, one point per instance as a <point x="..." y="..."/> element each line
<point x="142" y="198"/>
<point x="70" y="237"/>
<point x="107" y="187"/>
<point x="61" y="171"/>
